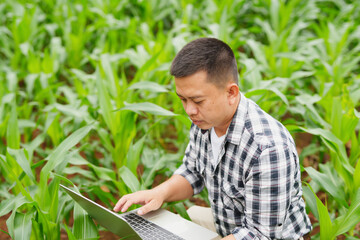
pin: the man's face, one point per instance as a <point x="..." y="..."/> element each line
<point x="206" y="104"/>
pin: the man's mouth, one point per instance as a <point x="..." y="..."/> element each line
<point x="196" y="121"/>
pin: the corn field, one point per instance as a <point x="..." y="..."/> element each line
<point x="86" y="99"/>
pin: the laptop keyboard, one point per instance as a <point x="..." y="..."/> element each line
<point x="147" y="229"/>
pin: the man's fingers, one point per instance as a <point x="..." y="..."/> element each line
<point x="151" y="206"/>
<point x="124" y="203"/>
<point x="143" y="210"/>
<point x="147" y="198"/>
<point x="119" y="204"/>
<point x="127" y="205"/>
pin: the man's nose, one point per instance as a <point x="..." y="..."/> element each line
<point x="191" y="109"/>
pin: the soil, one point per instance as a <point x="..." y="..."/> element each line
<point x="4" y="236"/>
<point x="302" y="140"/>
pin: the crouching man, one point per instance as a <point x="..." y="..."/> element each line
<point x="246" y="159"/>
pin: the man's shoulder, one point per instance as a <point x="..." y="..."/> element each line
<point x="265" y="130"/>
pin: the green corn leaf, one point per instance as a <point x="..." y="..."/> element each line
<point x="70" y="235"/>
<point x="301" y="74"/>
<point x="280" y="94"/>
<point x="54" y="159"/>
<point x="103" y="173"/>
<point x="12" y="82"/>
<point x="9" y="169"/>
<point x="37" y="230"/>
<point x="22" y="226"/>
<point x="105" y="138"/>
<point x="78" y="170"/>
<point x="63" y="203"/>
<point x="306" y="99"/>
<point x="84" y="227"/>
<point x="159" y="163"/>
<point x="14" y="177"/>
<point x="62" y="178"/>
<point x="50" y="118"/>
<point x="6" y="99"/>
<point x="351" y="238"/>
<point x="356" y="113"/>
<point x="54" y="193"/>
<point x="24" y="123"/>
<point x="21" y="159"/>
<point x="148" y="108"/>
<point x="146" y="67"/>
<point x="260" y="56"/>
<point x="72" y="111"/>
<point x="333" y="143"/>
<point x="138" y="57"/>
<point x="335" y="189"/>
<point x="133" y="155"/>
<point x="323" y="217"/>
<point x="274" y="15"/>
<point x="76" y="159"/>
<point x="54" y="229"/>
<point x="58" y="154"/>
<point x="265" y="91"/>
<point x="104" y="196"/>
<point x="13" y="134"/>
<point x="185" y="120"/>
<point x="129" y="178"/>
<point x="82" y="75"/>
<point x="325" y="221"/>
<point x="4" y="232"/>
<point x="49" y="228"/>
<point x="180" y="208"/>
<point x="352" y="217"/>
<point x="357" y="175"/>
<point x="12" y="204"/>
<point x="105" y="105"/>
<point x="316" y="116"/>
<point x="252" y="74"/>
<point x="108" y="72"/>
<point x="10" y="223"/>
<point x="310" y="201"/>
<point x="149" y="86"/>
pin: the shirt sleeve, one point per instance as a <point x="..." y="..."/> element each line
<point x="189" y="168"/>
<point x="267" y="194"/>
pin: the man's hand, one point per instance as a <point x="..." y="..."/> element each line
<point x="151" y="199"/>
<point x="174" y="189"/>
<point x="229" y="237"/>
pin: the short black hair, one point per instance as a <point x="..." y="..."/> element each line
<point x="206" y="54"/>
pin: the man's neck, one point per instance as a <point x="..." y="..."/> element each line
<point x="221" y="130"/>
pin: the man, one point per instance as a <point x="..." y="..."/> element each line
<point x="245" y="158"/>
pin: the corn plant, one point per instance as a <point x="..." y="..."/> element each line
<point x="86" y="99"/>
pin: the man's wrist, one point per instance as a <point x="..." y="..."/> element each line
<point x="161" y="192"/>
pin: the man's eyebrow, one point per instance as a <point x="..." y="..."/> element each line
<point x="194" y="97"/>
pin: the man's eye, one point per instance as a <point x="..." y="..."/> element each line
<point x="198" y="102"/>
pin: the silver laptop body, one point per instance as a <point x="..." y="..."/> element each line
<point x="160" y="224"/>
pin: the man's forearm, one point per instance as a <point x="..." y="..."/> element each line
<point x="175" y="188"/>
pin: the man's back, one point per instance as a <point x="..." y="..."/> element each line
<point x="255" y="188"/>
<point x="254" y="183"/>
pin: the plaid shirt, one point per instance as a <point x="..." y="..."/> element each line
<point x="254" y="186"/>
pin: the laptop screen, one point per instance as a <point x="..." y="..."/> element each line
<point x="106" y="218"/>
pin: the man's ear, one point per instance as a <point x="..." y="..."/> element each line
<point x="233" y="93"/>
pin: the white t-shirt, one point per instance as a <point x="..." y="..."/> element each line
<point x="216" y="143"/>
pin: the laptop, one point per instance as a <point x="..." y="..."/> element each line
<point x="159" y="224"/>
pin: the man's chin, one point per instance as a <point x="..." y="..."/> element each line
<point x="202" y="125"/>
